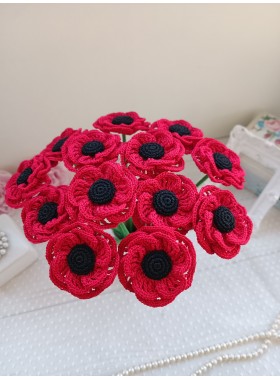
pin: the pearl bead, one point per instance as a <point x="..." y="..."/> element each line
<point x="2" y="251"/>
<point x="4" y="239"/>
<point x="6" y="245"/>
<point x="2" y="234"/>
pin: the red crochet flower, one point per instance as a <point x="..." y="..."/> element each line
<point x="83" y="260"/>
<point x="44" y="215"/>
<point x="121" y="122"/>
<point x="149" y="154"/>
<point x="219" y="163"/>
<point x="166" y="200"/>
<point x="90" y="148"/>
<point x="53" y="149"/>
<point x="182" y="130"/>
<point x="30" y="176"/>
<point x="221" y="224"/>
<point x="104" y="195"/>
<point x="156" y="264"/>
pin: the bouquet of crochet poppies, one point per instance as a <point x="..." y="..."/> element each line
<point x="131" y="189"/>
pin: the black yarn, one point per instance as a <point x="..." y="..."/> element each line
<point x="81" y="259"/>
<point x="58" y="145"/>
<point x="122" y="120"/>
<point x="23" y="177"/>
<point x="222" y="161"/>
<point x="102" y="191"/>
<point x="92" y="147"/>
<point x="151" y="150"/>
<point x="47" y="212"/>
<point x="156" y="265"/>
<point x="180" y="129"/>
<point x="224" y="219"/>
<point x="165" y="202"/>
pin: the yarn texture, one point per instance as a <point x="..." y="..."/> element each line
<point x="53" y="151"/>
<point x="90" y="147"/>
<point x="220" y="222"/>
<point x="148" y="154"/>
<point x="87" y="181"/>
<point x="121" y="122"/>
<point x="27" y="181"/>
<point x="105" y="195"/>
<point x="182" y="130"/>
<point x="219" y="163"/>
<point x="44" y="215"/>
<point x="83" y="260"/>
<point x="156" y="264"/>
<point x="166" y="200"/>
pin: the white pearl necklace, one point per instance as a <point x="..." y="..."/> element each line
<point x="4" y="243"/>
<point x="272" y="335"/>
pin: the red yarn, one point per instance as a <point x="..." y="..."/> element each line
<point x="189" y="141"/>
<point x="105" y="123"/>
<point x="56" y="156"/>
<point x="16" y="194"/>
<point x="106" y="260"/>
<point x="224" y="244"/>
<point x="137" y="245"/>
<point x="180" y="187"/>
<point x="172" y="159"/>
<point x="118" y="210"/>
<point x="35" y="231"/>
<point x="203" y="156"/>
<point x="73" y="156"/>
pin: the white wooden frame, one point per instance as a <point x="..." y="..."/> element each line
<point x="242" y="140"/>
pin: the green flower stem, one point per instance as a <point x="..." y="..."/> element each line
<point x="123" y="138"/>
<point x="130" y="225"/>
<point x="203" y="179"/>
<point x="120" y="231"/>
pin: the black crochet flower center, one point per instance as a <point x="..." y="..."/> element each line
<point x="224" y="219"/>
<point x="47" y="212"/>
<point x="81" y="259"/>
<point x="58" y="145"/>
<point x="180" y="129"/>
<point x="156" y="265"/>
<point x="23" y="177"/>
<point x="91" y="148"/>
<point x="102" y="191"/>
<point x="222" y="161"/>
<point x="122" y="120"/>
<point x="151" y="150"/>
<point x="165" y="202"/>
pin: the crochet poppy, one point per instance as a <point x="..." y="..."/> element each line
<point x="188" y="135"/>
<point x="126" y="123"/>
<point x="83" y="260"/>
<point x="30" y="176"/>
<point x="149" y="154"/>
<point x="220" y="222"/>
<point x="44" y="215"/>
<point x="166" y="200"/>
<point x="90" y="148"/>
<point x="53" y="149"/>
<point x="103" y="195"/>
<point x="219" y="163"/>
<point x="156" y="264"/>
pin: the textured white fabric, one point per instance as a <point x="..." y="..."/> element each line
<point x="45" y="331"/>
